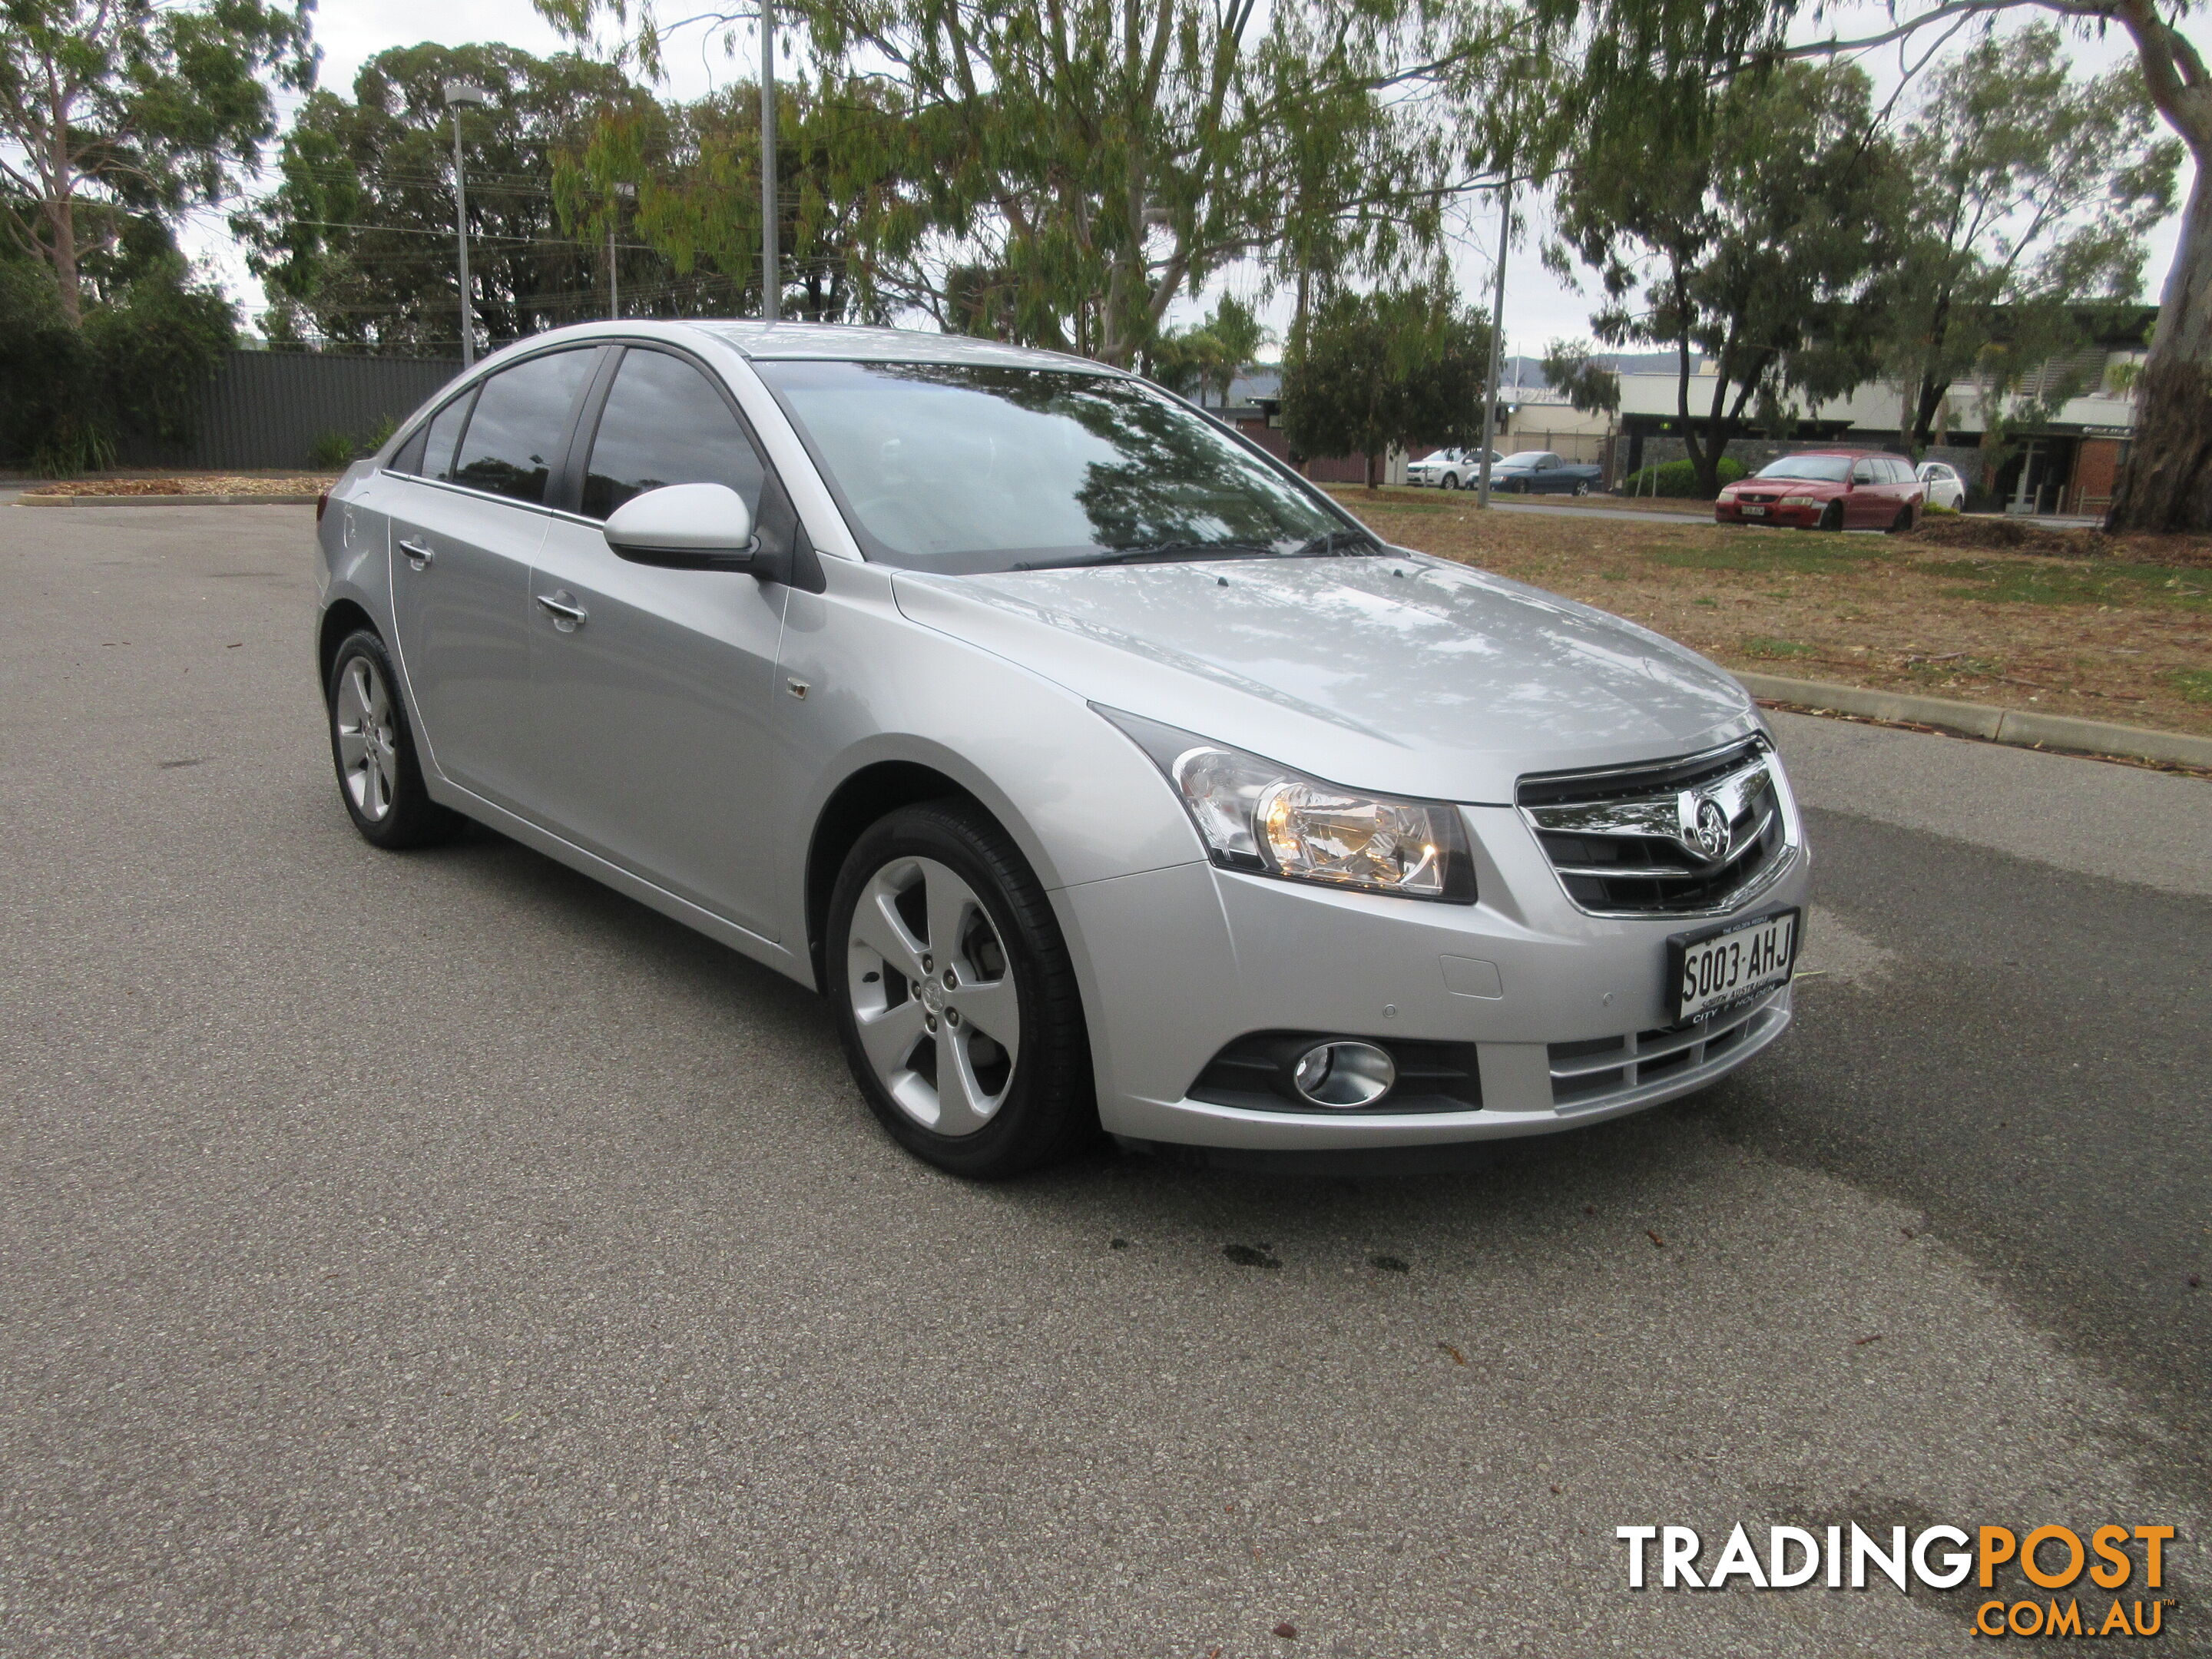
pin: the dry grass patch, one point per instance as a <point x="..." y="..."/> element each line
<point x="2116" y="638"/>
<point x="196" y="483"/>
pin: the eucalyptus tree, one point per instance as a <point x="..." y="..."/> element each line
<point x="1100" y="157"/>
<point x="1751" y="238"/>
<point x="115" y="108"/>
<point x="1647" y="62"/>
<point x="354" y="242"/>
<point x="2031" y="192"/>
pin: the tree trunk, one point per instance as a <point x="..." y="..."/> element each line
<point x="2167" y="484"/>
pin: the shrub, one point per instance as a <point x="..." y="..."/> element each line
<point x="1678" y="479"/>
<point x="1937" y="508"/>
<point x="330" y="452"/>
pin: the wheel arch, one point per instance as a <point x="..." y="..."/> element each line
<point x="344" y="616"/>
<point x="880" y="787"/>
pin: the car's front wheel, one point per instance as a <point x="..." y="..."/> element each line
<point x="954" y="995"/>
<point x="1451" y="481"/>
<point x="380" y="776"/>
<point x="1833" y="518"/>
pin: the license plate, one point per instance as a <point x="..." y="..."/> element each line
<point x="1721" y="967"/>
<point x="1754" y="512"/>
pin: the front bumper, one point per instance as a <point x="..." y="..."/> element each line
<point x="1564" y="1011"/>
<point x="1797" y="518"/>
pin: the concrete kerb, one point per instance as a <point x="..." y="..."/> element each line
<point x="2009" y="726"/>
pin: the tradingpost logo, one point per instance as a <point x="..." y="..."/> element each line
<point x="2125" y="1561"/>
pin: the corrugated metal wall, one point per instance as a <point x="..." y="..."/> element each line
<point x="265" y="409"/>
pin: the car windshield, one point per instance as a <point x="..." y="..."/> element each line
<point x="1526" y="458"/>
<point x="1821" y="469"/>
<point x="962" y="468"/>
<point x="1438" y="458"/>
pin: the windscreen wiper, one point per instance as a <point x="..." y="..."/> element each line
<point x="1339" y="543"/>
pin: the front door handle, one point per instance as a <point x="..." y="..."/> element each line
<point x="567" y="615"/>
<point x="418" y="553"/>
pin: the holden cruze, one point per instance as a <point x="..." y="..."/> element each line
<point x="1098" y="769"/>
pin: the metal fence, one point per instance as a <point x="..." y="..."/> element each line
<point x="265" y="409"/>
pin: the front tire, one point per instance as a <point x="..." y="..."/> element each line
<point x="954" y="996"/>
<point x="1451" y="481"/>
<point x="1833" y="518"/>
<point x="379" y="777"/>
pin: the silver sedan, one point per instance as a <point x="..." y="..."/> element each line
<point x="1101" y="772"/>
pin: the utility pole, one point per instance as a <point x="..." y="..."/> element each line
<point x="459" y="94"/>
<point x="771" y="282"/>
<point x="1496" y="334"/>
<point x="624" y="191"/>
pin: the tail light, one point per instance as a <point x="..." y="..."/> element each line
<point x="321" y="502"/>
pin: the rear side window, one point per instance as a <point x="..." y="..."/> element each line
<point x="435" y="457"/>
<point x="664" y="423"/>
<point x="514" y="440"/>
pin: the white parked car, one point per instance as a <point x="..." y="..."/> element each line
<point x="1449" y="469"/>
<point x="1945" y="487"/>
<point x="1099" y="771"/>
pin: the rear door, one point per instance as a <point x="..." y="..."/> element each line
<point x="653" y="685"/>
<point x="1868" y="506"/>
<point x="465" y="524"/>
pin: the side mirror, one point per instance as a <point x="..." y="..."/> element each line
<point x="690" y="526"/>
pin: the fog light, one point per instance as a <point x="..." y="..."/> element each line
<point x="1343" y="1076"/>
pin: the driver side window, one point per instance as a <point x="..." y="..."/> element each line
<point x="664" y="423"/>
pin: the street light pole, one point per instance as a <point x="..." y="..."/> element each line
<point x="1497" y="338"/>
<point x="458" y="94"/>
<point x="624" y="191"/>
<point x="771" y="283"/>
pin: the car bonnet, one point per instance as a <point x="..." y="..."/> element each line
<point x="1402" y="674"/>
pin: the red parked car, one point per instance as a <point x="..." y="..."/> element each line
<point x="1827" y="489"/>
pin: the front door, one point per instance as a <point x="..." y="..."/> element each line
<point x="465" y="525"/>
<point x="653" y="686"/>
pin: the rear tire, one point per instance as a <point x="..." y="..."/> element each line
<point x="990" y="1011"/>
<point x="1903" y="523"/>
<point x="379" y="778"/>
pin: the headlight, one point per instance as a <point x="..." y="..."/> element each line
<point x="1802" y="501"/>
<point x="1257" y="816"/>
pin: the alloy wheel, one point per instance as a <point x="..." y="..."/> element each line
<point x="932" y="995"/>
<point x="368" y="750"/>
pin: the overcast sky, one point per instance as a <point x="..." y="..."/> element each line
<point x="1538" y="305"/>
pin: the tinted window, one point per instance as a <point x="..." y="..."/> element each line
<point x="1824" y="469"/>
<point x="964" y="467"/>
<point x="514" y="440"/>
<point x="408" y="458"/>
<point x="664" y="423"/>
<point x="437" y="456"/>
<point x="1863" y="473"/>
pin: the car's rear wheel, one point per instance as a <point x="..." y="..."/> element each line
<point x="379" y="777"/>
<point x="954" y="995"/>
<point x="1582" y="486"/>
<point x="1833" y="519"/>
<point x="1904" y="521"/>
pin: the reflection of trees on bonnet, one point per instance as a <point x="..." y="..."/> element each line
<point x="1173" y="477"/>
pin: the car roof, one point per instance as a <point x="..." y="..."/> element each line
<point x="844" y="342"/>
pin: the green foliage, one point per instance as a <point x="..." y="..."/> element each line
<point x="1206" y="358"/>
<point x="2033" y="194"/>
<point x="355" y="244"/>
<point x="330" y="450"/>
<point x="1679" y="479"/>
<point x="1571" y="367"/>
<point x="1371" y="370"/>
<point x="1077" y="166"/>
<point x="1761" y="645"/>
<point x="115" y="108"/>
<point x="2194" y="683"/>
<point x="1752" y="235"/>
<point x="69" y="395"/>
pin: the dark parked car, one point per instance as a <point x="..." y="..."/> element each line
<point x="1540" y="472"/>
<point x="1827" y="489"/>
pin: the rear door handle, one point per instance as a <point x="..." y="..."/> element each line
<point x="418" y="553"/>
<point x="567" y="615"/>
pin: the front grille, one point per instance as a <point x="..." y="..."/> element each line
<point x="1623" y="840"/>
<point x="1432" y="1077"/>
<point x="1602" y="1069"/>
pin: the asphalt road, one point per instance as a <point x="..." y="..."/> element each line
<point x="440" y="1255"/>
